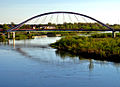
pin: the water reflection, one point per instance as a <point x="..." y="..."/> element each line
<point x="64" y="54"/>
<point x="39" y="50"/>
<point x="37" y="62"/>
<point x="19" y="50"/>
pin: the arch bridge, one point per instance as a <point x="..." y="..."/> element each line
<point x="76" y="16"/>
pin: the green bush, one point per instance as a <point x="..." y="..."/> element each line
<point x="3" y="38"/>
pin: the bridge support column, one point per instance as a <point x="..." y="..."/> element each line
<point x="13" y="35"/>
<point x="113" y="34"/>
<point x="13" y="39"/>
<point x="8" y="35"/>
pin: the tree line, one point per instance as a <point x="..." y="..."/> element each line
<point x="61" y="26"/>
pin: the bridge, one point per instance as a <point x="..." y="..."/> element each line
<point x="63" y="18"/>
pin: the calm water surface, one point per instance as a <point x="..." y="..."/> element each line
<point x="32" y="63"/>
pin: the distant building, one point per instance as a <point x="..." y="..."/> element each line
<point x="51" y="27"/>
<point x="47" y="27"/>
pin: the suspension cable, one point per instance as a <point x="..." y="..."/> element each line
<point x="76" y="18"/>
<point x="63" y="18"/>
<point x="57" y="19"/>
<point x="51" y="18"/>
<point x="70" y="18"/>
<point x="78" y="21"/>
<point x="43" y="20"/>
<point x="84" y="19"/>
<point x="36" y="20"/>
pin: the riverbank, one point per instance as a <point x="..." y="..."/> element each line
<point x="96" y="48"/>
<point x="30" y="35"/>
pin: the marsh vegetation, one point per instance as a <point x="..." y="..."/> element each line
<point x="97" y="46"/>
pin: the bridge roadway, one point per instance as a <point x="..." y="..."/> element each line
<point x="17" y="30"/>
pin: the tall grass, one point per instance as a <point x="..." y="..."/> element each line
<point x="104" y="47"/>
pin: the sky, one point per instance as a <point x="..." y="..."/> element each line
<point x="107" y="11"/>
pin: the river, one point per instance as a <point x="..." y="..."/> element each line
<point x="32" y="63"/>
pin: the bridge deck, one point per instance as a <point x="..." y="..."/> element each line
<point x="15" y="30"/>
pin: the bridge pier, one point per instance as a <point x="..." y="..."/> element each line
<point x="113" y="34"/>
<point x="13" y="35"/>
<point x="13" y="39"/>
<point x="8" y="35"/>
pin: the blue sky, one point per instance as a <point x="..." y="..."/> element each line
<point x="107" y="11"/>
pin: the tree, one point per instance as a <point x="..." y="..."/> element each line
<point x="5" y="27"/>
<point x="12" y="24"/>
<point x="25" y="27"/>
<point x="49" y="24"/>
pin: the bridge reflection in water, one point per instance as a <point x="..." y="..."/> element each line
<point x="43" y="53"/>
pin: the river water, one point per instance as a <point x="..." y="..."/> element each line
<point x="32" y="63"/>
